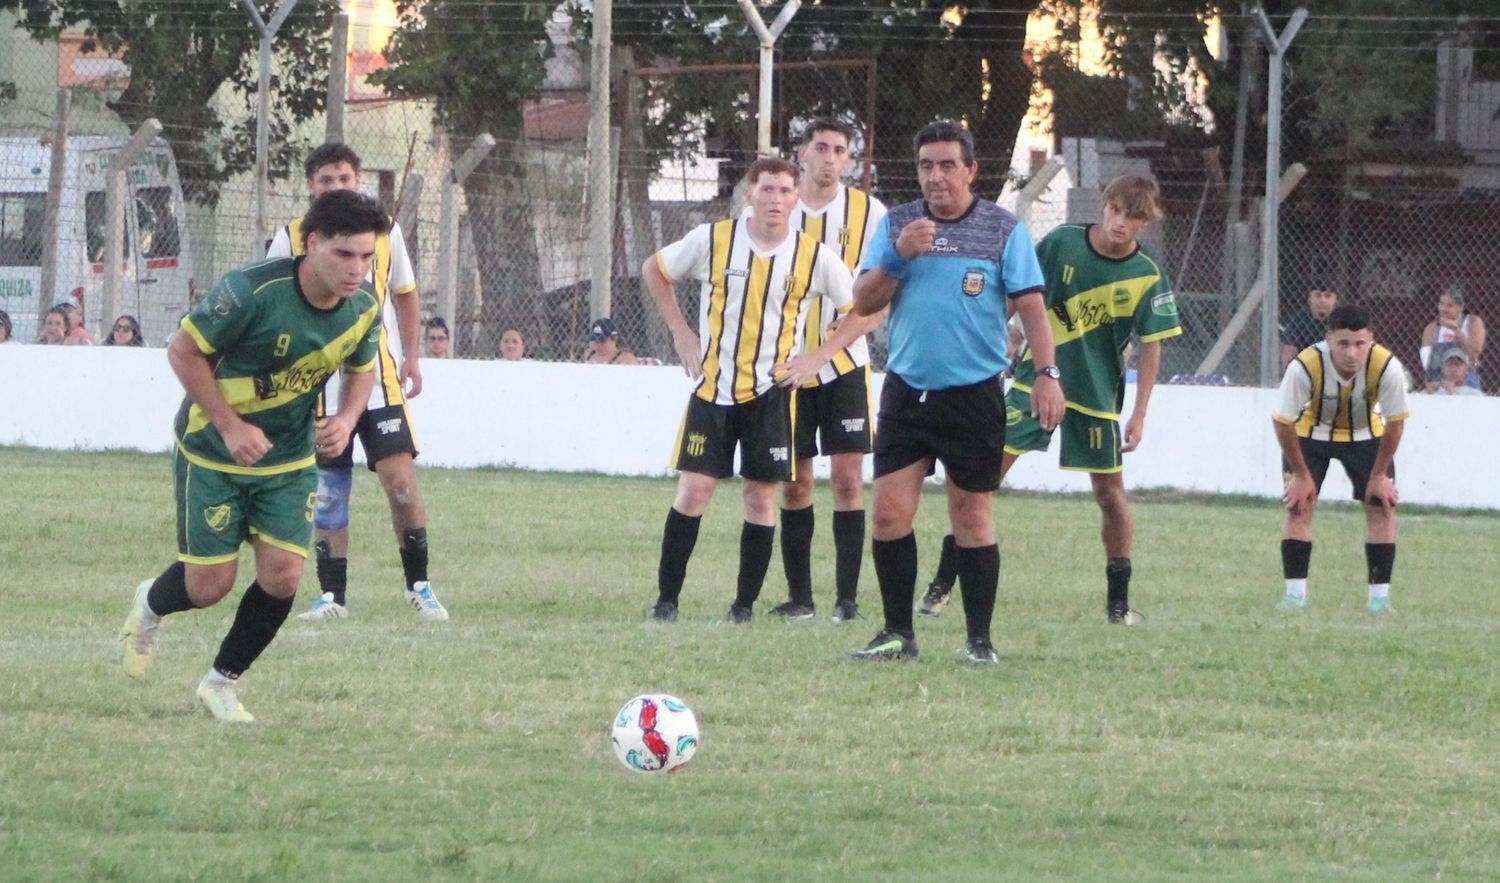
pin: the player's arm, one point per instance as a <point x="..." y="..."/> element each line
<point x="798" y="370"/>
<point x="1147" y="367"/>
<point x="331" y="434"/>
<point x="245" y="441"/>
<point x="684" y="339"/>
<point x="409" y="325"/>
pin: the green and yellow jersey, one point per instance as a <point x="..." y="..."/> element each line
<point x="271" y="353"/>
<point x="1096" y="303"/>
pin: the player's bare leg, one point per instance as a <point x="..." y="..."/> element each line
<point x="409" y="518"/>
<point x="1117" y="530"/>
<point x="1380" y="553"/>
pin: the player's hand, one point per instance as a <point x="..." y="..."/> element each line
<point x="411" y="377"/>
<point x="1047" y="402"/>
<point x="916" y="238"/>
<point x="246" y="442"/>
<point x="1300" y="494"/>
<point x="1135" y="427"/>
<point x="797" y="370"/>
<point x="1380" y="490"/>
<point x="331" y="436"/>
<point x="689" y="352"/>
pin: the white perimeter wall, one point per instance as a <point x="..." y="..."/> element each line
<point x="624" y="420"/>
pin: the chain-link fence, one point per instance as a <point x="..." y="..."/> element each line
<point x="1393" y="122"/>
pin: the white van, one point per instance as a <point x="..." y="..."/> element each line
<point x="156" y="285"/>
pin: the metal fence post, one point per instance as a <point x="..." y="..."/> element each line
<point x="262" y="118"/>
<point x="338" y="78"/>
<point x="601" y="168"/>
<point x="114" y="214"/>
<point x="767" y="59"/>
<point x="47" y="289"/>
<point x="448" y="227"/>
<point x="1270" y="327"/>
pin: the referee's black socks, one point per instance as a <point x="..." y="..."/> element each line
<point x="256" y="622"/>
<point x="677" y="541"/>
<point x="896" y="570"/>
<point x="978" y="572"/>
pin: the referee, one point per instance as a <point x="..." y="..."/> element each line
<point x="948" y="265"/>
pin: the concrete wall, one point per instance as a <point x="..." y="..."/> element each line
<point x="624" y="420"/>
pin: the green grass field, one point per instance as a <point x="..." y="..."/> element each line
<point x="1221" y="741"/>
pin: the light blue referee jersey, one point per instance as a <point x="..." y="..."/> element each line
<point x="947" y="322"/>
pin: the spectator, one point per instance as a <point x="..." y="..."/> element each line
<point x="77" y="334"/>
<point x="1454" y="328"/>
<point x="438" y="338"/>
<point x="604" y="345"/>
<point x="512" y="346"/>
<point x="1455" y="375"/>
<point x="4" y="327"/>
<point x="54" y="327"/>
<point x="1308" y="325"/>
<point x="127" y="332"/>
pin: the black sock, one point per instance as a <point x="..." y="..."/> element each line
<point x="414" y="555"/>
<point x="896" y="571"/>
<point x="1296" y="558"/>
<point x="1117" y="578"/>
<point x="849" y="552"/>
<point x="1380" y="558"/>
<point x="333" y="573"/>
<point x="256" y="622"/>
<point x="169" y="593"/>
<point x="979" y="582"/>
<point x="947" y="571"/>
<point x="677" y="541"/>
<point x="756" y="542"/>
<point x="796" y="553"/>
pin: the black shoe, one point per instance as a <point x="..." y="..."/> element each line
<point x="740" y="615"/>
<point x="937" y="597"/>
<point x="664" y="611"/>
<point x="980" y="652"/>
<point x="845" y="610"/>
<point x="792" y="610"/>
<point x="887" y="645"/>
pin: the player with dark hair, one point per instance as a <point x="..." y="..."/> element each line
<point x="1342" y="399"/>
<point x="833" y="412"/>
<point x="1103" y="290"/>
<point x="949" y="266"/>
<point x="253" y="356"/>
<point x="756" y="274"/>
<point x="385" y="429"/>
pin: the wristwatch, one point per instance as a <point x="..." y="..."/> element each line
<point x="1049" y="371"/>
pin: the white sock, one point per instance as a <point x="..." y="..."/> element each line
<point x="1380" y="590"/>
<point x="1297" y="588"/>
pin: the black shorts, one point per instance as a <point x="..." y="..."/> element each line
<point x="382" y="432"/>
<point x="962" y="427"/>
<point x="836" y="413"/>
<point x="1358" y="458"/>
<point x="761" y="428"/>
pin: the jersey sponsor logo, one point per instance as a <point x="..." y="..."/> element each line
<point x="974" y="282"/>
<point x="389" y="427"/>
<point x="695" y="444"/>
<point x="1090" y="315"/>
<point x="778" y="455"/>
<point x="1164" y="305"/>
<point x="217" y="517"/>
<point x="941" y="245"/>
<point x="736" y="271"/>
<point x="854" y="424"/>
<point x="299" y="379"/>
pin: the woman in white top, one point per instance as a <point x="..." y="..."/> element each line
<point x="1454" y="327"/>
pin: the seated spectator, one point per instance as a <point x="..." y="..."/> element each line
<point x="54" y="327"/>
<point x="438" y="338"/>
<point x="77" y="334"/>
<point x="512" y="346"/>
<point x="604" y="345"/>
<point x="127" y="332"/>
<point x="1454" y="328"/>
<point x="4" y="327"/>
<point x="1455" y="379"/>
<point x="1308" y="325"/>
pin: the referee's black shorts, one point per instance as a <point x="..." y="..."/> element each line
<point x="963" y="427"/>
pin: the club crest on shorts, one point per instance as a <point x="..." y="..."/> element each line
<point x="216" y="517"/>
<point x="1013" y="416"/>
<point x="974" y="283"/>
<point x="695" y="443"/>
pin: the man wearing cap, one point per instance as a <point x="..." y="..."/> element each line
<point x="604" y="345"/>
<point x="1455" y="375"/>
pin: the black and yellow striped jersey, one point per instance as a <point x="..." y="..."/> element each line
<point x="753" y="303"/>
<point x="844" y="225"/>
<point x="1326" y="407"/>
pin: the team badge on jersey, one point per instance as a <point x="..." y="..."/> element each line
<point x="844" y="236"/>
<point x="974" y="283"/>
<point x="1164" y="305"/>
<point x="217" y="517"/>
<point x="791" y="284"/>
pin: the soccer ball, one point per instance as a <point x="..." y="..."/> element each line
<point x="655" y="733"/>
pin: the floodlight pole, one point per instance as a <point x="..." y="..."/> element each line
<point x="767" y="61"/>
<point x="267" y="32"/>
<point x="1276" y="47"/>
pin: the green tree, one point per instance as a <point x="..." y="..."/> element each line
<point x="480" y="67"/>
<point x="181" y="54"/>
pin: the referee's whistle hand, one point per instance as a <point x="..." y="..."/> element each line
<point x="916" y="238"/>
